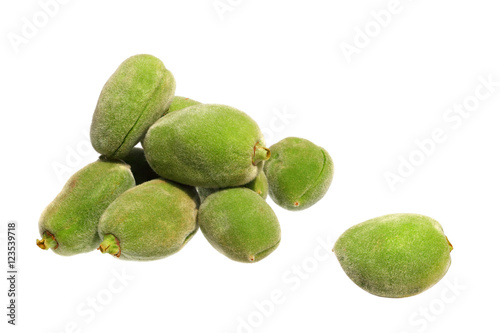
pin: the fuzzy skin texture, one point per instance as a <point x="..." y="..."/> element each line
<point x="396" y="255"/>
<point x="153" y="220"/>
<point x="258" y="185"/>
<point x="179" y="103"/>
<point x="74" y="214"/>
<point x="299" y="173"/>
<point x="205" y="145"/>
<point x="134" y="97"/>
<point x="140" y="168"/>
<point x="239" y="224"/>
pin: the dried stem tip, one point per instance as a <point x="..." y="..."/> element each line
<point x="111" y="245"/>
<point x="48" y="241"/>
<point x="451" y="246"/>
<point x="260" y="153"/>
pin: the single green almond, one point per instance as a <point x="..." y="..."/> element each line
<point x="139" y="166"/>
<point x="299" y="173"/>
<point x="239" y="224"/>
<point x="135" y="96"/>
<point x="396" y="255"/>
<point x="69" y="223"/>
<point x="150" y="221"/>
<point x="206" y="145"/>
<point x="258" y="185"/>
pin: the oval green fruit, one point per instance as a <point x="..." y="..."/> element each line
<point x="69" y="223"/>
<point x="258" y="185"/>
<point x="239" y="224"/>
<point x="299" y="173"/>
<point x="140" y="168"/>
<point x="206" y="145"/>
<point x="150" y="221"/>
<point x="134" y="97"/>
<point x="396" y="255"/>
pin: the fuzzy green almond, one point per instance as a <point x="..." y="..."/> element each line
<point x="150" y="221"/>
<point x="396" y="255"/>
<point x="240" y="224"/>
<point x="135" y="96"/>
<point x="206" y="145"/>
<point x="299" y="173"/>
<point x="68" y="225"/>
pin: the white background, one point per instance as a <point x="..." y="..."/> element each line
<point x="265" y="58"/>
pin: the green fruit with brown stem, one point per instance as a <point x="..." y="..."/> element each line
<point x="396" y="255"/>
<point x="299" y="173"/>
<point x="68" y="225"/>
<point x="206" y="145"/>
<point x="150" y="221"/>
<point x="239" y="224"/>
<point x="135" y="96"/>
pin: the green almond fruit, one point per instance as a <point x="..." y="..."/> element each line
<point x="134" y="97"/>
<point x="206" y="145"/>
<point x="150" y="221"/>
<point x="299" y="173"/>
<point x="239" y="224"/>
<point x="179" y="103"/>
<point x="68" y="225"/>
<point x="140" y="168"/>
<point x="396" y="255"/>
<point x="258" y="185"/>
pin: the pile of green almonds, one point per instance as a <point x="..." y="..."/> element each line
<point x="207" y="166"/>
<point x="201" y="165"/>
